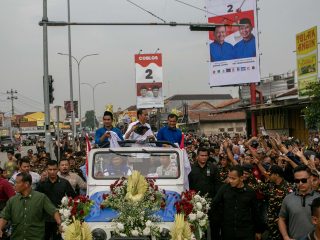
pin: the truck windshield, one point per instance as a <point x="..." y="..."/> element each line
<point x="112" y="165"/>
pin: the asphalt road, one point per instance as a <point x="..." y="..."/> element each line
<point x="3" y="155"/>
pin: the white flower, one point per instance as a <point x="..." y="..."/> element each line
<point x="197" y="197"/>
<point x="199" y="214"/>
<point x="202" y="223"/>
<point x="146" y="231"/>
<point x="123" y="235"/>
<point x="199" y="206"/>
<point x="65" y="201"/>
<point x="148" y="223"/>
<point x="135" y="233"/>
<point x="120" y="226"/>
<point x="66" y="213"/>
<point x="207" y="206"/>
<point x="192" y="217"/>
<point x="203" y="201"/>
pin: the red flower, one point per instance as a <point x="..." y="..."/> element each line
<point x="74" y="211"/>
<point x="81" y="212"/>
<point x="70" y="201"/>
<point x="105" y="196"/>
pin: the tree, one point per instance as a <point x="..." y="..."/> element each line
<point x="89" y="120"/>
<point x="312" y="111"/>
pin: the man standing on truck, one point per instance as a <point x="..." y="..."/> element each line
<point x="103" y="134"/>
<point x="140" y="129"/>
<point x="170" y="133"/>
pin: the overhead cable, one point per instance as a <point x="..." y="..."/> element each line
<point x="143" y="9"/>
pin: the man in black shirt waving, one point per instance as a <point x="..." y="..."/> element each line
<point x="55" y="188"/>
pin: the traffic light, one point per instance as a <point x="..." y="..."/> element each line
<point x="51" y="89"/>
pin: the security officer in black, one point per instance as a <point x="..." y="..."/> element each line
<point x="203" y="178"/>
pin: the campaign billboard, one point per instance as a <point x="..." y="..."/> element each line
<point x="149" y="80"/>
<point x="307" y="59"/>
<point x="68" y="108"/>
<point x="234" y="56"/>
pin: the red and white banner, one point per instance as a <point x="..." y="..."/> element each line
<point x="234" y="56"/>
<point x="149" y="80"/>
<point x="88" y="149"/>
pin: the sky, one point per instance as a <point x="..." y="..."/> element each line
<point x="185" y="53"/>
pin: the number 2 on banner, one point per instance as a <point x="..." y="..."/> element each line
<point x="230" y="8"/>
<point x="149" y="73"/>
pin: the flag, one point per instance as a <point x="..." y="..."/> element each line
<point x="88" y="148"/>
<point x="182" y="141"/>
<point x="186" y="163"/>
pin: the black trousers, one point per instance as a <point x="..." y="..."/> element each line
<point x="51" y="231"/>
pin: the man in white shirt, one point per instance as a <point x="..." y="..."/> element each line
<point x="24" y="166"/>
<point x="139" y="130"/>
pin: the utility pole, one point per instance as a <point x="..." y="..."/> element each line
<point x="12" y="97"/>
<point x="46" y="78"/>
<point x="73" y="125"/>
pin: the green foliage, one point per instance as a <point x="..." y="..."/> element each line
<point x="89" y="119"/>
<point x="312" y="111"/>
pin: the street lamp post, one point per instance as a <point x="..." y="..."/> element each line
<point x="93" y="99"/>
<point x="78" y="63"/>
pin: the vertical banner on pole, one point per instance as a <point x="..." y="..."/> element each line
<point x="149" y="80"/>
<point x="307" y="59"/>
<point x="67" y="106"/>
<point x="234" y="57"/>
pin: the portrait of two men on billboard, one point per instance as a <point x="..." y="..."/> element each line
<point x="233" y="42"/>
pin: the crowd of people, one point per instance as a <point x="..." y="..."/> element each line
<point x="264" y="187"/>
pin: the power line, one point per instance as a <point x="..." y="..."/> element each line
<point x="23" y="96"/>
<point x="203" y="10"/>
<point x="143" y="9"/>
<point x="27" y="102"/>
<point x="33" y="106"/>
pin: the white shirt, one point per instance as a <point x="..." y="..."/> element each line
<point x="35" y="179"/>
<point x="135" y="136"/>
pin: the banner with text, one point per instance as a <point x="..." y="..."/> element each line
<point x="234" y="56"/>
<point x="307" y="59"/>
<point x="149" y="80"/>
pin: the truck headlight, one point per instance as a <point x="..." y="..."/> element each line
<point x="99" y="234"/>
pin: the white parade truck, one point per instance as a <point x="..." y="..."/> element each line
<point x="106" y="165"/>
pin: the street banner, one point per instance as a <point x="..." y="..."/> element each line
<point x="67" y="106"/>
<point x="234" y="56"/>
<point x="307" y="59"/>
<point x="149" y="80"/>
